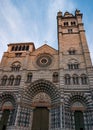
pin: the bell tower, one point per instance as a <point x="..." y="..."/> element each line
<point x="75" y="69"/>
<point x="71" y="37"/>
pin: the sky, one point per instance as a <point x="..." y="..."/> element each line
<point x="35" y="21"/>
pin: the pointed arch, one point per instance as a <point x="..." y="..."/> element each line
<point x="8" y="97"/>
<point x="41" y="86"/>
<point x="78" y="96"/>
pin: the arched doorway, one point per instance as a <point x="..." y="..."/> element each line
<point x="79" y="120"/>
<point x="6" y="108"/>
<point x="42" y="94"/>
<point x="40" y="118"/>
<point x="41" y="102"/>
<point x="77" y="111"/>
<point x="78" y="108"/>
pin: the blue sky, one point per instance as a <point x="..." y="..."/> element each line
<point x="35" y="21"/>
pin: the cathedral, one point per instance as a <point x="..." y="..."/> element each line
<point x="47" y="88"/>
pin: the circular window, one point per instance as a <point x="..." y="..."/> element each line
<point x="44" y="60"/>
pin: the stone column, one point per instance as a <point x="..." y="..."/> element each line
<point x="17" y="114"/>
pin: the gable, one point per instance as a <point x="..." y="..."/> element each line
<point x="45" y="49"/>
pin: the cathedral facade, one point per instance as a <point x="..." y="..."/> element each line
<point x="45" y="88"/>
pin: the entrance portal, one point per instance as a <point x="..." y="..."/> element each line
<point x="4" y="119"/>
<point x="40" y="118"/>
<point x="79" y="120"/>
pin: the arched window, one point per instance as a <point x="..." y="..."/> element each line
<point x="12" y="48"/>
<point x="75" y="79"/>
<point x="83" y="79"/>
<point x="16" y="66"/>
<point x="13" y="67"/>
<point x="73" y="23"/>
<point x="73" y="64"/>
<point x="29" y="77"/>
<point x="67" y="79"/>
<point x="27" y="48"/>
<point x="17" y="80"/>
<point x="11" y="80"/>
<point x="8" y="113"/>
<point x="23" y="48"/>
<point x="4" y="80"/>
<point x="65" y="23"/>
<point x="20" y="48"/>
<point x="55" y="77"/>
<point x="72" y="51"/>
<point x="70" y="30"/>
<point x="16" y="48"/>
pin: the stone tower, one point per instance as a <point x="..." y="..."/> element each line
<point x="74" y="63"/>
<point x="45" y="88"/>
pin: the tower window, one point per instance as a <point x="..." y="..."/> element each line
<point x="67" y="79"/>
<point x="75" y="79"/>
<point x="16" y="48"/>
<point x="12" y="48"/>
<point x="69" y="30"/>
<point x="20" y="48"/>
<point x="83" y="79"/>
<point x="73" y="66"/>
<point x="27" y="48"/>
<point x="23" y="48"/>
<point x="55" y="77"/>
<point x="73" y="23"/>
<point x="65" y="23"/>
<point x="71" y="52"/>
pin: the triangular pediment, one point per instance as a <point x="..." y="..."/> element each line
<point x="45" y="49"/>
